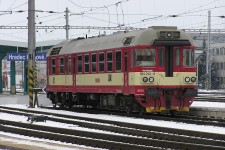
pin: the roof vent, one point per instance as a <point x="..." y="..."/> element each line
<point x="128" y="40"/>
<point x="55" y="51"/>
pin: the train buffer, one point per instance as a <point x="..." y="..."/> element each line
<point x="36" y="90"/>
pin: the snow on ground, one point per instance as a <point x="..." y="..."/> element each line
<point x="22" y="101"/>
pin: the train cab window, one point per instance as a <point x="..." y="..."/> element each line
<point x="86" y="63"/>
<point x="161" y="56"/>
<point x="177" y="57"/>
<point x="118" y="60"/>
<point x="145" y="57"/>
<point x="61" y="65"/>
<point x="53" y="66"/>
<point x="188" y="57"/>
<point x="109" y="61"/>
<point x="101" y="59"/>
<point x="69" y="65"/>
<point x="79" y="63"/>
<point x="93" y="62"/>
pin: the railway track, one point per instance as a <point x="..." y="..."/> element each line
<point x="120" y="135"/>
<point x="215" y="96"/>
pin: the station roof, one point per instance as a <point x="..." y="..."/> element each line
<point x="25" y="44"/>
<point x="21" y="47"/>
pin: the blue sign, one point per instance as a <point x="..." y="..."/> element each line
<point x="16" y="56"/>
<point x="40" y="57"/>
<point x="44" y="89"/>
<point x="24" y="57"/>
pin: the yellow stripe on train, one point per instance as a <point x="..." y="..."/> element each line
<point x="117" y="79"/>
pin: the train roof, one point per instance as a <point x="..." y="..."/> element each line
<point x="117" y="40"/>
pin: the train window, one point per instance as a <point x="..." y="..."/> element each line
<point x="145" y="57"/>
<point x="74" y="62"/>
<point x="79" y="63"/>
<point x="188" y="57"/>
<point x="177" y="57"/>
<point x="161" y="56"/>
<point x="118" y="61"/>
<point x="93" y="62"/>
<point x="86" y="63"/>
<point x="69" y="65"/>
<point x="61" y="65"/>
<point x="53" y="66"/>
<point x="109" y="61"/>
<point x="101" y="62"/>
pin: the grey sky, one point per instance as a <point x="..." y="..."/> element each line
<point x="134" y="13"/>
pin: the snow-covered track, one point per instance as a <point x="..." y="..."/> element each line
<point x="131" y="133"/>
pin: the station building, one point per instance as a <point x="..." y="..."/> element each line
<point x="14" y="73"/>
<point x="218" y="56"/>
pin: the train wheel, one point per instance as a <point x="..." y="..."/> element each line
<point x="54" y="105"/>
<point x="62" y="105"/>
<point x="141" y="111"/>
<point x="172" y="112"/>
<point x="129" y="109"/>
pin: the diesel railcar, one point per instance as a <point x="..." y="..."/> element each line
<point x="149" y="70"/>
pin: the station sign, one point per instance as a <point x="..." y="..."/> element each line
<point x="24" y="57"/>
<point x="16" y="56"/>
<point x="40" y="57"/>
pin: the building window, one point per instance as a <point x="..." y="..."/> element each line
<point x="109" y="61"/>
<point x="93" y="62"/>
<point x="61" y="65"/>
<point x="118" y="60"/>
<point x="53" y="66"/>
<point x="221" y="51"/>
<point x="86" y="63"/>
<point x="221" y="66"/>
<point x="221" y="80"/>
<point x="217" y="66"/>
<point x="79" y="63"/>
<point x="217" y="51"/>
<point x="101" y="59"/>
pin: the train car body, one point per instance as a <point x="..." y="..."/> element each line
<point x="150" y="70"/>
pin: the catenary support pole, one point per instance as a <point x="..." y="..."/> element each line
<point x="67" y="23"/>
<point x="31" y="49"/>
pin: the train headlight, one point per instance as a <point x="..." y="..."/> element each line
<point x="193" y="79"/>
<point x="187" y="79"/>
<point x="169" y="34"/>
<point x="145" y="79"/>
<point x="151" y="79"/>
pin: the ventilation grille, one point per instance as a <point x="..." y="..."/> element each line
<point x="128" y="40"/>
<point x="55" y="51"/>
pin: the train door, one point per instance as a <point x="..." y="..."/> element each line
<point x="169" y="62"/>
<point x="126" y="78"/>
<point x="73" y="61"/>
<point x="66" y="71"/>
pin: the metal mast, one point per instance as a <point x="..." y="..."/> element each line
<point x="208" y="60"/>
<point x="31" y="49"/>
<point x="67" y="23"/>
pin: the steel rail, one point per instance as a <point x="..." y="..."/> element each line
<point x="133" y="132"/>
<point x="105" y="140"/>
<point x="152" y="132"/>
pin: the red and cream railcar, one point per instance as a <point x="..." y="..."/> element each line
<point x="148" y="70"/>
